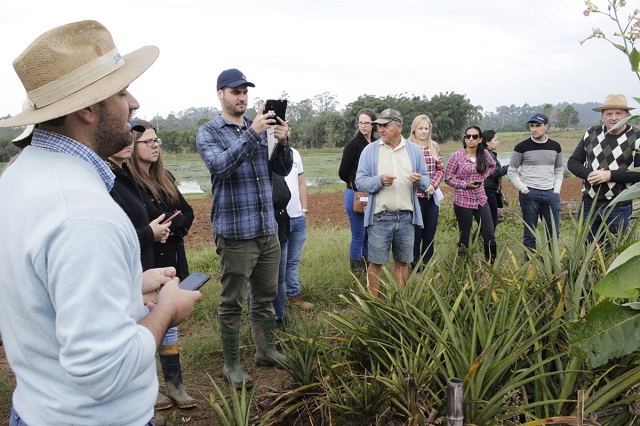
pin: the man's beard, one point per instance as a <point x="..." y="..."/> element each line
<point x="111" y="136"/>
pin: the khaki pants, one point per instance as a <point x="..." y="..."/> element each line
<point x="255" y="261"/>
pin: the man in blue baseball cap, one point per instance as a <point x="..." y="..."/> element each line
<point x="536" y="169"/>
<point x="234" y="149"/>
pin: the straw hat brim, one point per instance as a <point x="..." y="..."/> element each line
<point x="136" y="63"/>
<point x="603" y="107"/>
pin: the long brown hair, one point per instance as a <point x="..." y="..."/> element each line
<point x="158" y="181"/>
<point x="481" y="159"/>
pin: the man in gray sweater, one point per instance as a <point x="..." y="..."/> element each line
<point x="536" y="170"/>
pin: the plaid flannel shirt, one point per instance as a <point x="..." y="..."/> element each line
<point x="462" y="171"/>
<point x="55" y="142"/>
<point x="242" y="206"/>
<point x="435" y="169"/>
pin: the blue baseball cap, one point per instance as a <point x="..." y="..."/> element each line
<point x="232" y="78"/>
<point x="135" y="127"/>
<point x="539" y="118"/>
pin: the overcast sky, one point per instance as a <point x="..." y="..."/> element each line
<point x="496" y="52"/>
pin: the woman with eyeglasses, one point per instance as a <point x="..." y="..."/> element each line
<point x="358" y="248"/>
<point x="466" y="171"/>
<point x="493" y="184"/>
<point x="421" y="130"/>
<point x="147" y="168"/>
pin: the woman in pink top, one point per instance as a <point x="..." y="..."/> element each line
<point x="466" y="171"/>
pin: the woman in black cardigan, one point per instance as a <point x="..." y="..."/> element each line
<point x="358" y="249"/>
<point x="493" y="184"/>
<point x="148" y="170"/>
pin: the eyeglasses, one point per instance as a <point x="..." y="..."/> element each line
<point x="364" y="123"/>
<point x="151" y="142"/>
<point x="474" y="137"/>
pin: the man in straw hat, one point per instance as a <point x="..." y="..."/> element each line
<point x="234" y="149"/>
<point x="72" y="317"/>
<point x="603" y="158"/>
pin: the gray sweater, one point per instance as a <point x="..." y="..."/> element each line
<point x="536" y="165"/>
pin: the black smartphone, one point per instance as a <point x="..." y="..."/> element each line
<point x="478" y="182"/>
<point x="278" y="106"/>
<point x="194" y="281"/>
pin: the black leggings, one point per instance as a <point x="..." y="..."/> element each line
<point x="465" y="218"/>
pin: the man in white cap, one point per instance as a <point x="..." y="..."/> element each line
<point x="391" y="169"/>
<point x="603" y="158"/>
<point x="72" y="316"/>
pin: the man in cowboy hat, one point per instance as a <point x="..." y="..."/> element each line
<point x="603" y="159"/>
<point x="72" y="317"/>
<point x="234" y="149"/>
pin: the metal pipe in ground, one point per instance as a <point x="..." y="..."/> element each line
<point x="455" y="402"/>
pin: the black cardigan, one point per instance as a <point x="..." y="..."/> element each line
<point x="134" y="201"/>
<point x="350" y="159"/>
<point x="172" y="252"/>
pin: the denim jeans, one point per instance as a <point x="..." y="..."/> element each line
<point x="539" y="203"/>
<point x="171" y="336"/>
<point x="15" y="419"/>
<point x="255" y="261"/>
<point x="423" y="243"/>
<point x="297" y="237"/>
<point x="617" y="219"/>
<point x="391" y="230"/>
<point x="465" y="217"/>
<point x="359" y="245"/>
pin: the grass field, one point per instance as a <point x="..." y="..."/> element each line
<point x="321" y="165"/>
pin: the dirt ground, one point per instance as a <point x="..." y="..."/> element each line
<point x="325" y="210"/>
<point x="328" y="209"/>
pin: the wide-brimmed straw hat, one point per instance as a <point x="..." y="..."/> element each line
<point x="614" y="102"/>
<point x="71" y="67"/>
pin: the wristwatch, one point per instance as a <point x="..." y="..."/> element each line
<point x="305" y="210"/>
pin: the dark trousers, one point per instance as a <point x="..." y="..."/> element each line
<point x="492" y="201"/>
<point x="423" y="245"/>
<point x="465" y="218"/>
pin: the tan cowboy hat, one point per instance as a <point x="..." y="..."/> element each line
<point x="71" y="67"/>
<point x="614" y="102"/>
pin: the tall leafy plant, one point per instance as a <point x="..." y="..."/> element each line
<point x="609" y="330"/>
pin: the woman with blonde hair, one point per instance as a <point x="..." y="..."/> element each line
<point x="421" y="131"/>
<point x="148" y="170"/>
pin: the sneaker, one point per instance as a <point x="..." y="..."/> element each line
<point x="301" y="303"/>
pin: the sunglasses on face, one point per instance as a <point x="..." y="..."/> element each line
<point x="474" y="137"/>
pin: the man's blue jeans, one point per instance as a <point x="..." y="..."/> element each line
<point x="359" y="246"/>
<point x="297" y="237"/>
<point x="617" y="218"/>
<point x="537" y="204"/>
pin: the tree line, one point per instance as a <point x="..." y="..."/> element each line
<point x="319" y="123"/>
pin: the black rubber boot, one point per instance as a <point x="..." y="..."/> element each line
<point x="172" y="371"/>
<point x="490" y="251"/>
